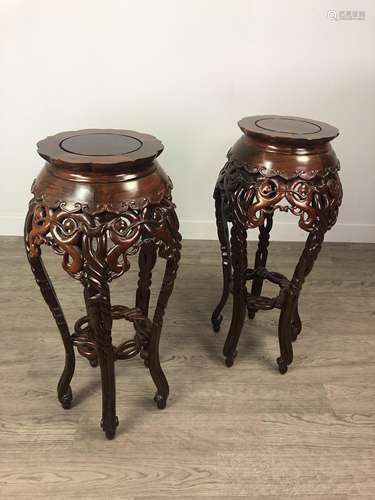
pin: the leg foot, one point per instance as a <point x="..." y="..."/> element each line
<point x="111" y="432"/>
<point x="66" y="399"/>
<point x="229" y="360"/>
<point x="283" y="366"/>
<point x="160" y="400"/>
<point x="216" y="322"/>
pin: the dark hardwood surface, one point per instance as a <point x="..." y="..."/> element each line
<point x="244" y="433"/>
<point x="100" y="198"/>
<point x="278" y="164"/>
<point x="99" y="147"/>
<point x="101" y="144"/>
<point x="111" y="182"/>
<point x="291" y="147"/>
<point x="287" y="129"/>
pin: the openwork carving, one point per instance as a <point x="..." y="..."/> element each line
<point x="101" y="198"/>
<point x="95" y="249"/>
<point x="260" y="263"/>
<point x="248" y="197"/>
<point x="251" y="196"/>
<point x="84" y="339"/>
<point x="256" y="301"/>
<point x="79" y="236"/>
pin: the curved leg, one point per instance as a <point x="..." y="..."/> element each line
<point x="146" y="261"/>
<point x="222" y="231"/>
<point x="64" y="391"/>
<point x="98" y="305"/>
<point x="239" y="259"/>
<point x="261" y="257"/>
<point x="286" y="349"/>
<point x="156" y="371"/>
<point x="289" y="310"/>
<point x="296" y="325"/>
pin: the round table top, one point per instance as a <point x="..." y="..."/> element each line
<point x="287" y="129"/>
<point x="99" y="147"/>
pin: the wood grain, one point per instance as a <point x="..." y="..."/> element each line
<point x="247" y="432"/>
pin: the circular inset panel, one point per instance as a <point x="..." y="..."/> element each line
<point x="100" y="144"/>
<point x="291" y="130"/>
<point x="108" y="149"/>
<point x="288" y="126"/>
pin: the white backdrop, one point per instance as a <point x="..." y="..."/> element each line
<point x="187" y="71"/>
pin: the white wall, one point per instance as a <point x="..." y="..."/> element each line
<point x="186" y="71"/>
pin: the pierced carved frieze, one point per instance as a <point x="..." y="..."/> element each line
<point x="101" y="198"/>
<point x="109" y="239"/>
<point x="280" y="163"/>
<point x="251" y="196"/>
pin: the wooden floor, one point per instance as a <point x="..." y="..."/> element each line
<point x="243" y="432"/>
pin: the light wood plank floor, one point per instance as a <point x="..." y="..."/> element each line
<point x="244" y="432"/>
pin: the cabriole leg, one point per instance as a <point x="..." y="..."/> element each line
<point x="64" y="391"/>
<point x="239" y="261"/>
<point x="223" y="234"/>
<point x="289" y="322"/>
<point x="156" y="371"/>
<point x="146" y="261"/>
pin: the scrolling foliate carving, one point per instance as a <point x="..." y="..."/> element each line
<point x="280" y="163"/>
<point x="80" y="237"/>
<point x="251" y="196"/>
